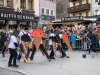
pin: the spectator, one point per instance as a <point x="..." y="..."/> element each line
<point x="3" y="43"/>
<point x="73" y="40"/>
<point x="13" y="44"/>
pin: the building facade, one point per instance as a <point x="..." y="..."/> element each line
<point x="95" y="7"/>
<point x="62" y="6"/>
<point x="80" y="8"/>
<point x="46" y="10"/>
<point x="16" y="13"/>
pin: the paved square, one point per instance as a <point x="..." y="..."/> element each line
<point x="75" y="65"/>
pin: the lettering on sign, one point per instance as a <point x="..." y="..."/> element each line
<point x="16" y="16"/>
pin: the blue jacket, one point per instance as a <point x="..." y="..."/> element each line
<point x="73" y="38"/>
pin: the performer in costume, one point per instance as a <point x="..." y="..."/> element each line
<point x="42" y="49"/>
<point x="38" y="44"/>
<point x="57" y="44"/>
<point x="24" y="43"/>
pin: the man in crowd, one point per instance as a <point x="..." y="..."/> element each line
<point x="13" y="44"/>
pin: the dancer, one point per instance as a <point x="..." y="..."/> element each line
<point x="38" y="44"/>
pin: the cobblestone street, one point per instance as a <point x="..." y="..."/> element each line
<point x="75" y="65"/>
<point x="9" y="72"/>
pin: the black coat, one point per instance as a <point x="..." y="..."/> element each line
<point x="3" y="37"/>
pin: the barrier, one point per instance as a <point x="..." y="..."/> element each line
<point x="80" y="45"/>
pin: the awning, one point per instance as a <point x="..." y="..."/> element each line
<point x="98" y="19"/>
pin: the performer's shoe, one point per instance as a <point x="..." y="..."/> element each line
<point x="49" y="59"/>
<point x="67" y="56"/>
<point x="15" y="66"/>
<point x="64" y="56"/>
<point x="10" y="65"/>
<point x="3" y="55"/>
<point x="52" y="58"/>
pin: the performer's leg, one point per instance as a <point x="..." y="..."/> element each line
<point x="44" y="51"/>
<point x="53" y="50"/>
<point x="55" y="45"/>
<point x="62" y="52"/>
<point x="33" y="52"/>
<point x="21" y="48"/>
<point x="52" y="54"/>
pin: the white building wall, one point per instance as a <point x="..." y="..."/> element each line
<point x="95" y="7"/>
<point x="36" y="7"/>
<point x="46" y="4"/>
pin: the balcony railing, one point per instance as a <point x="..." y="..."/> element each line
<point x="28" y="11"/>
<point x="72" y="0"/>
<point x="79" y="8"/>
<point x="7" y="8"/>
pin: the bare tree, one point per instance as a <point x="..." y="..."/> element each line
<point x="61" y="9"/>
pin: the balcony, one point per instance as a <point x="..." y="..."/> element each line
<point x="72" y="0"/>
<point x="7" y="8"/>
<point x="79" y="8"/>
<point x="28" y="11"/>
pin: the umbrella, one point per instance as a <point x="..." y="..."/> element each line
<point x="25" y="38"/>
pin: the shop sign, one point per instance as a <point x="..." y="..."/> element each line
<point x="72" y="18"/>
<point x="47" y="17"/>
<point x="14" y="15"/>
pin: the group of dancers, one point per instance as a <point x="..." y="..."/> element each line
<point x="29" y="48"/>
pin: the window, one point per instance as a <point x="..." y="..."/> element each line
<point x="1" y="2"/>
<point x="10" y="3"/>
<point x="42" y="11"/>
<point x="80" y="14"/>
<point x="80" y="2"/>
<point x="73" y="15"/>
<point x="96" y="0"/>
<point x="47" y="11"/>
<point x="87" y="14"/>
<point x="52" y="12"/>
<point x="23" y="4"/>
<point x="30" y="4"/>
<point x="51" y="0"/>
<point x="73" y="3"/>
<point x="96" y="12"/>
